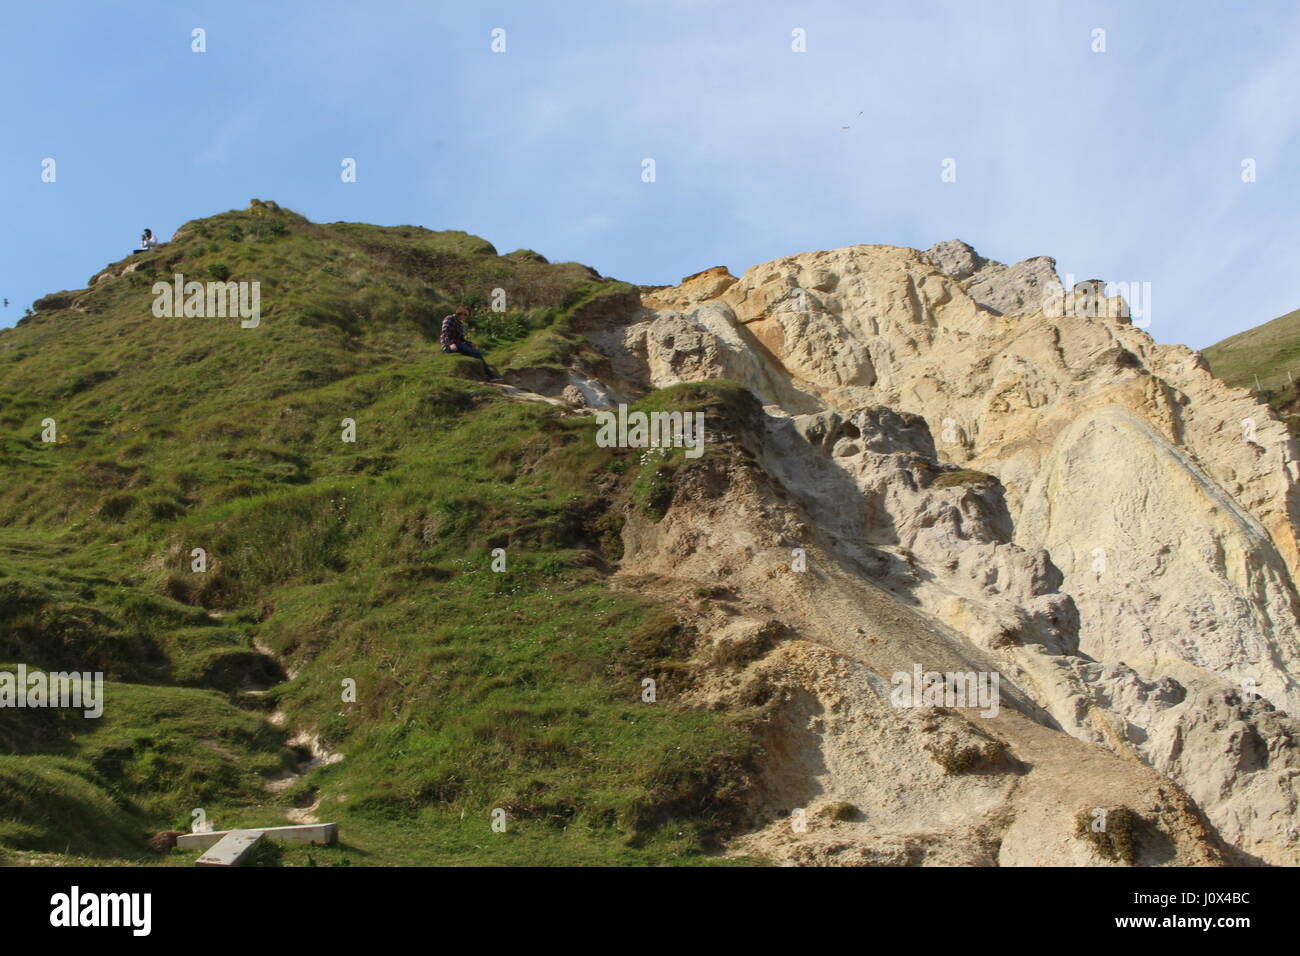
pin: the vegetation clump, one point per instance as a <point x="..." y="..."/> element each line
<point x="1114" y="835"/>
<point x="963" y="477"/>
<point x="840" y="812"/>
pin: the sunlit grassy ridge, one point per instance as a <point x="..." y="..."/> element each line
<point x="365" y="564"/>
<point x="1260" y="359"/>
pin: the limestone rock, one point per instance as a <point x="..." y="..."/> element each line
<point x="955" y="258"/>
<point x="1055" y="497"/>
<point x="1021" y="289"/>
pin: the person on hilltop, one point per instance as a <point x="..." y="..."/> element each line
<point x="147" y="241"/>
<point x="453" y="339"/>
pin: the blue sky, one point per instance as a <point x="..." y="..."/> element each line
<point x="1123" y="165"/>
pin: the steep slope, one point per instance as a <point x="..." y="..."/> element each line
<point x="1157" y="503"/>
<point x="348" y="607"/>
<point x="908" y="466"/>
<point x="815" y="650"/>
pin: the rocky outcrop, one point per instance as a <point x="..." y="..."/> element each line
<point x="1014" y="290"/>
<point x="955" y="258"/>
<point x="848" y="776"/>
<point x="1064" y="500"/>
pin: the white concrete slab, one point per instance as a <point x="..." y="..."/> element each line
<point x="321" y="834"/>
<point x="231" y="850"/>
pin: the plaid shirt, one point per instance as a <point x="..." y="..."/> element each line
<point x="453" y="333"/>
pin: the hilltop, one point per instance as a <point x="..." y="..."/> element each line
<point x="908" y="468"/>
<point x="328" y="560"/>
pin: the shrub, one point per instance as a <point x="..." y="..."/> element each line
<point x="1118" y="841"/>
<point x="963" y="476"/>
<point x="840" y="812"/>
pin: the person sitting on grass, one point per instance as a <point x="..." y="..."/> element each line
<point x="453" y="339"/>
<point x="148" y="241"/>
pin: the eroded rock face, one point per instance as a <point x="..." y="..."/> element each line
<point x="1086" y="422"/>
<point x="1089" y="512"/>
<point x="848" y="777"/>
<point x="1015" y="290"/>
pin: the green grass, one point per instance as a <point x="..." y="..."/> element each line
<point x="558" y="344"/>
<point x="56" y="804"/>
<point x="1267" y="351"/>
<point x="367" y="562"/>
<point x="1266" y="360"/>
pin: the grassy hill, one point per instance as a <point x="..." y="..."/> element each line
<point x="1260" y="359"/>
<point x="334" y="564"/>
